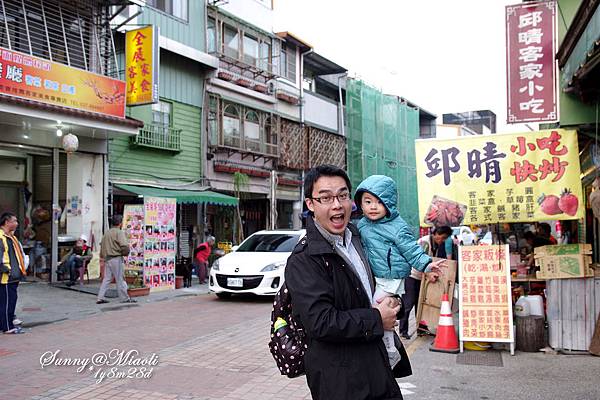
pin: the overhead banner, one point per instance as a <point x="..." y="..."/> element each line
<point x="530" y="63"/>
<point x="160" y="243"/>
<point x="48" y="82"/>
<point x="485" y="301"/>
<point x="141" y="67"/>
<point x="531" y="176"/>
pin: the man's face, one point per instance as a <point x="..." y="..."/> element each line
<point x="331" y="213"/>
<point x="439" y="239"/>
<point x="12" y="224"/>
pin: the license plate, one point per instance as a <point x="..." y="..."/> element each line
<point x="235" y="282"/>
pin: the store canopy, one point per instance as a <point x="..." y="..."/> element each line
<point x="183" y="196"/>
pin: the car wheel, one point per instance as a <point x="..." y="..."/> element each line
<point x="224" y="295"/>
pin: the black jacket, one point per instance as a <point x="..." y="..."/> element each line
<point x="346" y="358"/>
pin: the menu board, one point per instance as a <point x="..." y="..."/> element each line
<point x="160" y="243"/>
<point x="133" y="225"/>
<point x="485" y="303"/>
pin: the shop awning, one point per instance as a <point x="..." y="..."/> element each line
<point x="183" y="196"/>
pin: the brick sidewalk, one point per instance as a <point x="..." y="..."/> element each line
<point x="207" y="349"/>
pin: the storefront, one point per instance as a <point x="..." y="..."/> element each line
<point x="196" y="211"/>
<point x="53" y="169"/>
<point x="525" y="192"/>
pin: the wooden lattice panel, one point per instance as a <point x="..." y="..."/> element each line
<point x="326" y="148"/>
<point x="293" y="145"/>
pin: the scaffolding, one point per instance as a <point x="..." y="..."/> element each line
<point x="381" y="133"/>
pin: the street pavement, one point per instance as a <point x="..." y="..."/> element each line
<point x="200" y="347"/>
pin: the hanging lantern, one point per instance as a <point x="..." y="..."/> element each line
<point x="70" y="143"/>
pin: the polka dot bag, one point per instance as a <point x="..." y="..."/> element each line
<point x="288" y="342"/>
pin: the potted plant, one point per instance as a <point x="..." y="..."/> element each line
<point x="225" y="75"/>
<point x="243" y="82"/>
<point x="259" y="87"/>
<point x="130" y="276"/>
<point x="137" y="288"/>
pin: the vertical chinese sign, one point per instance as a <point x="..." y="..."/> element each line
<point x="520" y="177"/>
<point x="530" y="64"/>
<point x="134" y="225"/>
<point x="141" y="67"/>
<point x="160" y="243"/>
<point x="485" y="303"/>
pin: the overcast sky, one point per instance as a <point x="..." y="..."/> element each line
<point x="445" y="56"/>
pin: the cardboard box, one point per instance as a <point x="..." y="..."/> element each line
<point x="564" y="261"/>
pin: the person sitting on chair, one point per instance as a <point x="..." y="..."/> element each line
<point x="74" y="259"/>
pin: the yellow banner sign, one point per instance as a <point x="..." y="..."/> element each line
<point x="141" y="70"/>
<point x="531" y="176"/>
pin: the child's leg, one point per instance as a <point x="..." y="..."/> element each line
<point x="388" y="336"/>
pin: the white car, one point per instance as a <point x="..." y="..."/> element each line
<point x="256" y="266"/>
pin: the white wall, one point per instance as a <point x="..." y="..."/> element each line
<point x="321" y="112"/>
<point x="447" y="131"/>
<point x="85" y="195"/>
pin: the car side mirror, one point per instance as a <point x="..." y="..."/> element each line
<point x="234" y="248"/>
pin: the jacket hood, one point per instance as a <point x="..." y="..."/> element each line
<point x="384" y="188"/>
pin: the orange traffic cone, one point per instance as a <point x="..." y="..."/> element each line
<point x="445" y="340"/>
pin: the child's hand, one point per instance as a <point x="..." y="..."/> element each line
<point x="435" y="266"/>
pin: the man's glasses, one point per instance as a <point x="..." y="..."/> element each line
<point x="328" y="199"/>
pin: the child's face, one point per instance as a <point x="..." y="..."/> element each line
<point x="372" y="207"/>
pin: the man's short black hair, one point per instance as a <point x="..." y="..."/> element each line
<point x="117" y="219"/>
<point x="323" y="170"/>
<point x="5" y="217"/>
<point x="443" y="230"/>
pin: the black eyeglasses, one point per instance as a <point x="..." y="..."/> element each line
<point x="328" y="198"/>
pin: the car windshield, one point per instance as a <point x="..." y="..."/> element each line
<point x="278" y="243"/>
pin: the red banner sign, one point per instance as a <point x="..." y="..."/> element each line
<point x="530" y="65"/>
<point x="50" y="82"/>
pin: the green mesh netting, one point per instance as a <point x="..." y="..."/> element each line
<point x="381" y="133"/>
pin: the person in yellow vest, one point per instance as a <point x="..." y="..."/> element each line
<point x="12" y="268"/>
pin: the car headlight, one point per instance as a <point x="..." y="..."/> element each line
<point x="215" y="265"/>
<point x="274" y="266"/>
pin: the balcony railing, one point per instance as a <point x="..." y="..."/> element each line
<point x="158" y="137"/>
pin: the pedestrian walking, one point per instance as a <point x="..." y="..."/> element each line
<point x="201" y="254"/>
<point x="12" y="268"/>
<point x="113" y="248"/>
<point x="331" y="287"/>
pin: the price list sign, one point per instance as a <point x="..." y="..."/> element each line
<point x="485" y="312"/>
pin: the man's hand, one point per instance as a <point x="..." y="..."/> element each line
<point x="388" y="309"/>
<point x="432" y="277"/>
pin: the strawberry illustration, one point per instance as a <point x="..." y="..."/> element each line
<point x="568" y="202"/>
<point x="549" y="204"/>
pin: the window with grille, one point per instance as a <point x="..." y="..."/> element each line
<point x="74" y="33"/>
<point x="242" y="127"/>
<point x="288" y="62"/>
<point x="161" y="117"/>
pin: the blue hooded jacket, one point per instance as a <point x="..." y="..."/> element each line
<point x="388" y="242"/>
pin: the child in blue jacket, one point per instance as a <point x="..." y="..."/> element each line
<point x="389" y="244"/>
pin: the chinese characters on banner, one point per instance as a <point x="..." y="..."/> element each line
<point x="159" y="243"/>
<point x="530" y="65"/>
<point x="485" y="303"/>
<point x="134" y="225"/>
<point x="141" y="67"/>
<point x="53" y="83"/>
<point x="532" y="176"/>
